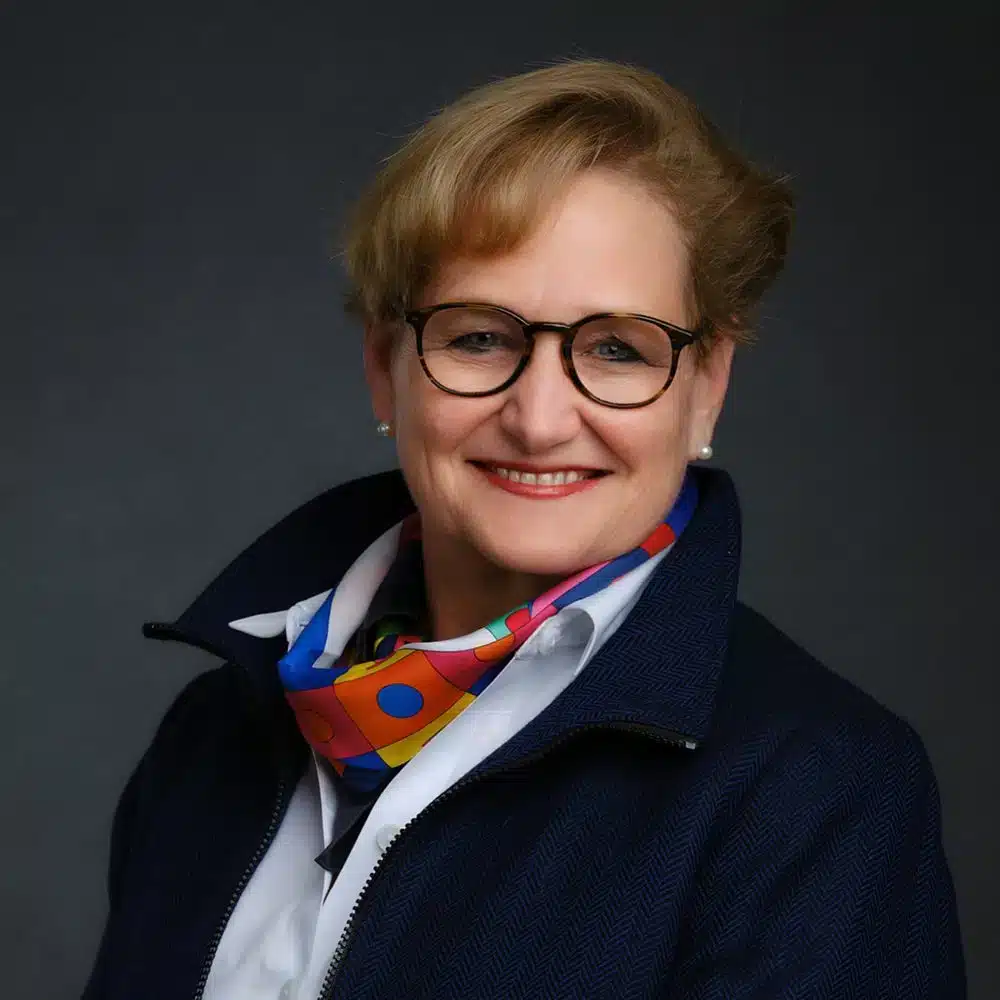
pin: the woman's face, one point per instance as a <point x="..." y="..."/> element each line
<point x="606" y="246"/>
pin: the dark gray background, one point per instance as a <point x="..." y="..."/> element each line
<point x="177" y="373"/>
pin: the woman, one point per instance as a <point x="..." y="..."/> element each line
<point x="498" y="727"/>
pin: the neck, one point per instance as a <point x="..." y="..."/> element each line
<point x="465" y="591"/>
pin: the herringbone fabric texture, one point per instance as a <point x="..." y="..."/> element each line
<point x="794" y="854"/>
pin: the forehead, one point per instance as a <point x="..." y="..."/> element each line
<point x="605" y="245"/>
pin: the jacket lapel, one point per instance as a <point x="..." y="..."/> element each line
<point x="660" y="668"/>
<point x="303" y="554"/>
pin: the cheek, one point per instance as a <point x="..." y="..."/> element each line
<point x="652" y="439"/>
<point x="416" y="405"/>
<point x="404" y="372"/>
<point x="431" y="422"/>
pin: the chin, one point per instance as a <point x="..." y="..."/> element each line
<point x="536" y="553"/>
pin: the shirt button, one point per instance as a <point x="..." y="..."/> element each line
<point x="384" y="836"/>
<point x="286" y="991"/>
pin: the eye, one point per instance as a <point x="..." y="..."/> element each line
<point x="482" y="342"/>
<point x="614" y="349"/>
<point x="477" y="340"/>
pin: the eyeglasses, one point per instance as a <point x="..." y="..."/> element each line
<point x="624" y="360"/>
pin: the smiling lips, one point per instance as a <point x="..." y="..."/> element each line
<point x="540" y="483"/>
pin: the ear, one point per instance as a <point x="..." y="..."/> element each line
<point x="377" y="348"/>
<point x="711" y="383"/>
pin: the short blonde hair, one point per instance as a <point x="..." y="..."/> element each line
<point x="480" y="174"/>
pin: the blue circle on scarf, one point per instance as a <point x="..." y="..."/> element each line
<point x="400" y="700"/>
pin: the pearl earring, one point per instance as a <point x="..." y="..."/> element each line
<point x="705" y="452"/>
<point x="384" y="428"/>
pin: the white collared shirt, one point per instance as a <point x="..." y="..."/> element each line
<point x="281" y="937"/>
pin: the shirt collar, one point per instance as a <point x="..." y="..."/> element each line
<point x="582" y="627"/>
<point x="587" y="624"/>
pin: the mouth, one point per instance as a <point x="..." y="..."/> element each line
<point x="528" y="480"/>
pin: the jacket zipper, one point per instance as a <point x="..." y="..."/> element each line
<point x="655" y="733"/>
<point x="272" y="828"/>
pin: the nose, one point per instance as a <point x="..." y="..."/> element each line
<point x="541" y="409"/>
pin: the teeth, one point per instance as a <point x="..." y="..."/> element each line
<point x="540" y="478"/>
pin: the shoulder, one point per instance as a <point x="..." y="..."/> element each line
<point x="214" y="726"/>
<point x="774" y="690"/>
<point x="824" y="847"/>
<point x="207" y="705"/>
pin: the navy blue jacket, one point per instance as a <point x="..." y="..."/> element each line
<point x="706" y="812"/>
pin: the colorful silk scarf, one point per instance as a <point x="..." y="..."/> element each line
<point x="369" y="717"/>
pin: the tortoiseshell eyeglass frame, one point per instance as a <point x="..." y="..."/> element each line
<point x="678" y="336"/>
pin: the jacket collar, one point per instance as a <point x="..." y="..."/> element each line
<point x="660" y="668"/>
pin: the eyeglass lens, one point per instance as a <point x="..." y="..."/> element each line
<point x="619" y="360"/>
